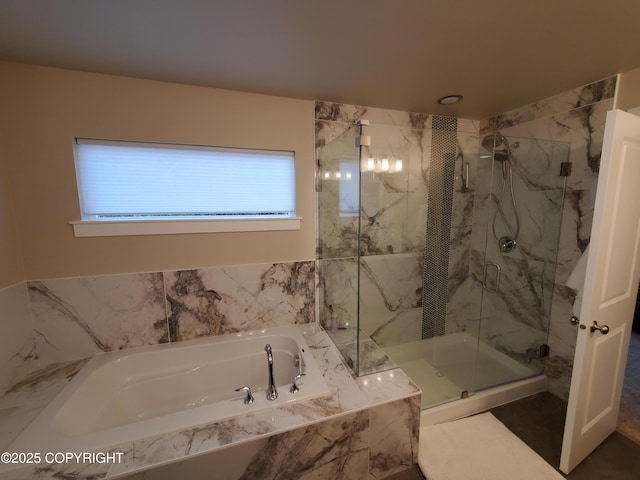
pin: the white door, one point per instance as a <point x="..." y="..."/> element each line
<point x="611" y="285"/>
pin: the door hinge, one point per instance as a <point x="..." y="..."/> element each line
<point x="565" y="169"/>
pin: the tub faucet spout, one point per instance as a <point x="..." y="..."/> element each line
<point x="272" y="393"/>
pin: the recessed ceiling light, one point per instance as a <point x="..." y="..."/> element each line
<point x="449" y="99"/>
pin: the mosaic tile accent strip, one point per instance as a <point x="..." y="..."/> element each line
<point x="439" y="214"/>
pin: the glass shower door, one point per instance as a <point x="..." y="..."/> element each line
<point x="523" y="212"/>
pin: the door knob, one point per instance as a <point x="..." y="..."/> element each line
<point x="574" y="320"/>
<point x="604" y="329"/>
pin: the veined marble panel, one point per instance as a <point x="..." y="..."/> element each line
<point x="395" y="430"/>
<point x="337" y="189"/>
<point x="392" y="205"/>
<point x="574" y="237"/>
<point x="220" y="300"/>
<point x="562" y="342"/>
<point x="466" y="125"/>
<point x="333" y="119"/>
<point x="332" y="449"/>
<point x="514" y="338"/>
<point x="336" y="449"/>
<point x="20" y="405"/>
<point x="464" y="291"/>
<point x="393" y="215"/>
<point x="463" y="308"/>
<point x="459" y="259"/>
<point x="464" y="188"/>
<point x="341" y="112"/>
<point x="576" y="118"/>
<point x="390" y="298"/>
<point x="537" y="163"/>
<point x="372" y="358"/>
<point x="577" y="218"/>
<point x="17" y="344"/>
<point x="75" y="318"/>
<point x="525" y="294"/>
<point x="576" y="98"/>
<point x="539" y="216"/>
<point x="345" y="448"/>
<point x="339" y="283"/>
<point x="516" y="318"/>
<point x="582" y="129"/>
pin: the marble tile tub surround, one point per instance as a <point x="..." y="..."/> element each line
<point x="367" y="428"/>
<point x="576" y="117"/>
<point x="75" y="318"/>
<point x="27" y="397"/>
<point x="17" y="344"/>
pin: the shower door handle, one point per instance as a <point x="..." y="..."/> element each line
<point x="496" y="287"/>
<point x="465" y="180"/>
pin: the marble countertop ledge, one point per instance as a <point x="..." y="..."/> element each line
<point x="22" y="403"/>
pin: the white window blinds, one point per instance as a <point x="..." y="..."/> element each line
<point x="126" y="180"/>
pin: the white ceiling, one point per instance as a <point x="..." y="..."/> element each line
<point x="399" y="54"/>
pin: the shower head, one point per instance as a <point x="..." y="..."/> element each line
<point x="495" y="140"/>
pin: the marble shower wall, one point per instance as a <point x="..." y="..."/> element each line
<point x="393" y="214"/>
<point x="576" y="119"/>
<point x="554" y="230"/>
<point x="393" y="210"/>
<point x="389" y="199"/>
<point x="515" y="319"/>
<point x="464" y="293"/>
<point x="74" y="318"/>
<point x="17" y="346"/>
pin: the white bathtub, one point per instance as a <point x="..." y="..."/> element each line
<point x="123" y="396"/>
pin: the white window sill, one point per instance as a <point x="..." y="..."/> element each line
<point x="115" y="228"/>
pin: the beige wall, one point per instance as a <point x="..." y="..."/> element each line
<point x="11" y="268"/>
<point x="43" y="109"/>
<point x="629" y="90"/>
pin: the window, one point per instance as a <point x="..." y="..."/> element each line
<point x="144" y="187"/>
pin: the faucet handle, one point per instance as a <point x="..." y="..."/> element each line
<point x="294" y="388"/>
<point x="248" y="400"/>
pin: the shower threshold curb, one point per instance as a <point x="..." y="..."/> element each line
<point x="484" y="400"/>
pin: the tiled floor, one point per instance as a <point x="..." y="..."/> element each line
<point x="629" y="419"/>
<point x="539" y="422"/>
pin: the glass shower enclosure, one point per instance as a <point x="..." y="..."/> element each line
<point x="413" y="268"/>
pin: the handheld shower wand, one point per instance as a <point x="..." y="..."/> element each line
<point x="498" y="144"/>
